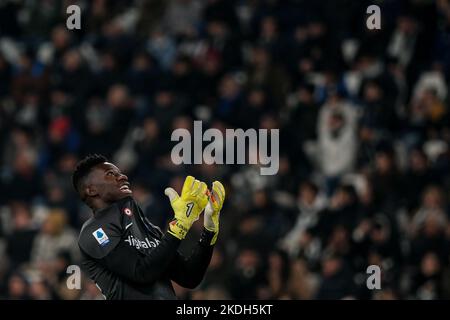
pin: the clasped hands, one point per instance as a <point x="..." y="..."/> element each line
<point x="195" y="197"/>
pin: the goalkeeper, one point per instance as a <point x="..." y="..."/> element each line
<point x="125" y="254"/>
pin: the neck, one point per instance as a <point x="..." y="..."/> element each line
<point x="99" y="204"/>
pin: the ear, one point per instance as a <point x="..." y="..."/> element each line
<point x="90" y="191"/>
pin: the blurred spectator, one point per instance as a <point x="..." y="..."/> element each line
<point x="427" y="284"/>
<point x="20" y="240"/>
<point x="150" y="205"/>
<point x="336" y="282"/>
<point x="417" y="177"/>
<point x="54" y="237"/>
<point x="429" y="227"/>
<point x="39" y="290"/>
<point x="24" y="182"/>
<point x="304" y="114"/>
<point x="162" y="47"/>
<point x="385" y="180"/>
<point x="246" y="275"/>
<point x="309" y="203"/>
<point x="17" y="288"/>
<point x="303" y="284"/>
<point x="265" y="73"/>
<point x="277" y="276"/>
<point x="337" y="142"/>
<point x="182" y="17"/>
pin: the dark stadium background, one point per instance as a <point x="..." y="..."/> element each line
<point x="364" y="138"/>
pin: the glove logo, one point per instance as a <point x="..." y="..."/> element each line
<point x="189" y="206"/>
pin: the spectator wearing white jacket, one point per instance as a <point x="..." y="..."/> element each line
<point x="310" y="202"/>
<point x="337" y="140"/>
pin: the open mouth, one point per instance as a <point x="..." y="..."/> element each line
<point x="125" y="188"/>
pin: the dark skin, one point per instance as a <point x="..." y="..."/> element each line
<point x="103" y="186"/>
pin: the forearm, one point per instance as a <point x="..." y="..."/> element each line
<point x="124" y="261"/>
<point x="189" y="272"/>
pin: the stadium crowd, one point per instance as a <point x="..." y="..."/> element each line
<point x="364" y="138"/>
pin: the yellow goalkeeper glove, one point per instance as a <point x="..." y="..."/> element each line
<point x="212" y="210"/>
<point x="188" y="207"/>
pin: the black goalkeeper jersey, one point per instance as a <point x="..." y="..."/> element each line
<point x="130" y="258"/>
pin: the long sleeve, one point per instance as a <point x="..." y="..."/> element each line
<point x="189" y="272"/>
<point x="125" y="262"/>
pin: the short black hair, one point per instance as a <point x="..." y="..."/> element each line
<point x="83" y="168"/>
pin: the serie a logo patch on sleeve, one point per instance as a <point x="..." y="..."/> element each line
<point x="101" y="237"/>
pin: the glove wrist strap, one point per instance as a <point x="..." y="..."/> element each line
<point x="208" y="237"/>
<point x="178" y="229"/>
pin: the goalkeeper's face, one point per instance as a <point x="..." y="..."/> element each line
<point x="109" y="183"/>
